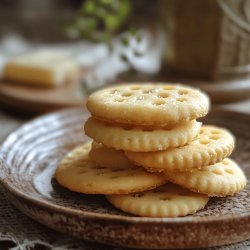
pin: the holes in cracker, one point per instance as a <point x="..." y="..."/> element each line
<point x="126" y="94"/>
<point x="217" y="171"/>
<point x="215" y="132"/>
<point x="158" y="102"/>
<point x="163" y="95"/>
<point x="168" y="87"/>
<point x="214" y="137"/>
<point x="229" y="171"/>
<point x="181" y="99"/>
<point x="135" y="87"/>
<point x="183" y="92"/>
<point x="204" y="141"/>
<point x="225" y="162"/>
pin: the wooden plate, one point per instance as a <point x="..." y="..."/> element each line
<point x="35" y="100"/>
<point x="28" y="160"/>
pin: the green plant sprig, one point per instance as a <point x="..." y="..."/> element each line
<point x="99" y="20"/>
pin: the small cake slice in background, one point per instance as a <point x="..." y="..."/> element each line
<point x="44" y="68"/>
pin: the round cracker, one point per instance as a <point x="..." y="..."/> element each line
<point x="78" y="173"/>
<point x="166" y="201"/>
<point x="212" y="145"/>
<point x="221" y="179"/>
<point x="148" y="104"/>
<point x="141" y="138"/>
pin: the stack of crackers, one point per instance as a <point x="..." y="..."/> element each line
<point x="149" y="155"/>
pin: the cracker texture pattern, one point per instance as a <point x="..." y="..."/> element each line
<point x="78" y="173"/>
<point x="141" y="138"/>
<point x="212" y="145"/>
<point x="166" y="201"/>
<point x="148" y="104"/>
<point x="221" y="179"/>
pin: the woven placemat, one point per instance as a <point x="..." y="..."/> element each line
<point x="26" y="234"/>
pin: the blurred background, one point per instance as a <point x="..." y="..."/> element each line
<point x="54" y="53"/>
<point x="40" y="21"/>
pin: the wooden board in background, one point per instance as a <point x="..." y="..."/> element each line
<point x="33" y="100"/>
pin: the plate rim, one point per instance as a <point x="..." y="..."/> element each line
<point x="105" y="216"/>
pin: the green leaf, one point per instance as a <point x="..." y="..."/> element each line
<point x="91" y="23"/>
<point x="100" y="12"/>
<point x="100" y="19"/>
<point x="106" y="2"/>
<point x="124" y="10"/>
<point x="89" y="7"/>
<point x="80" y="24"/>
<point x="111" y="22"/>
